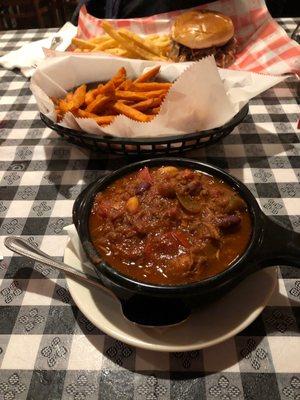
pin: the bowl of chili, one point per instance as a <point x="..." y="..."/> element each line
<point x="174" y="229"/>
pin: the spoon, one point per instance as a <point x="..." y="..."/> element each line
<point x="142" y="310"/>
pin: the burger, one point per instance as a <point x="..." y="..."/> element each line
<point x="197" y="34"/>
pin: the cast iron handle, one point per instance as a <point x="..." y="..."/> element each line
<point x="278" y="246"/>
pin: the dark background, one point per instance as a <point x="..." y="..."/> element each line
<point x="20" y="14"/>
<point x="140" y="8"/>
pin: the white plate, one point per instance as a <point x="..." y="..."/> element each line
<point x="205" y="327"/>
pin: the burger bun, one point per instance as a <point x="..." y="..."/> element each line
<point x="202" y="29"/>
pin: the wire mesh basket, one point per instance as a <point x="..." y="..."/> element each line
<point x="146" y="146"/>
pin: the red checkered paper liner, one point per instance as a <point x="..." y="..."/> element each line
<point x="264" y="46"/>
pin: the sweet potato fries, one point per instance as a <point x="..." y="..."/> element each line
<point x="138" y="99"/>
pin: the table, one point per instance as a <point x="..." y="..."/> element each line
<point x="48" y="349"/>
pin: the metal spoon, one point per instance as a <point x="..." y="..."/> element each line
<point x="148" y="312"/>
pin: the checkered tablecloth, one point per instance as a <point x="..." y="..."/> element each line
<point x="48" y="349"/>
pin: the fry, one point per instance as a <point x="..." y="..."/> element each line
<point x="162" y="44"/>
<point x="119" y="52"/>
<point x="124" y="43"/>
<point x="128" y="95"/>
<point x="128" y="102"/>
<point x="70" y="104"/>
<point x="109" y="88"/>
<point x="140" y="47"/>
<point x="129" y="54"/>
<point x="148" y="75"/>
<point x="82" y="44"/>
<point x="90" y="96"/>
<point x="107" y="27"/>
<point x="69" y="96"/>
<point x="140" y="42"/>
<point x="156" y="110"/>
<point x="139" y="100"/>
<point x="101" y="120"/>
<point x="59" y="114"/>
<point x="149" y="103"/>
<point x="139" y="52"/>
<point x="98" y="89"/>
<point x="125" y="85"/>
<point x="121" y="73"/>
<point x="108" y="44"/>
<point x="145" y="86"/>
<point x="131" y="112"/>
<point x="98" y="104"/>
<point x="153" y="93"/>
<point x="63" y="106"/>
<point x="99" y="39"/>
<point x="153" y="36"/>
<point x="78" y="97"/>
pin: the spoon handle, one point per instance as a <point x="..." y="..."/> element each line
<point x="131" y="309"/>
<point x="22" y="247"/>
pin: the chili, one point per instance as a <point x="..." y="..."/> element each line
<point x="169" y="225"/>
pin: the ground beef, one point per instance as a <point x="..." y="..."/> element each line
<point x="169" y="225"/>
<point x="224" y="55"/>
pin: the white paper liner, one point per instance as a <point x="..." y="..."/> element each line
<point x="202" y="97"/>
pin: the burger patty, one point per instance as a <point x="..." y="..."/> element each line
<point x="224" y="55"/>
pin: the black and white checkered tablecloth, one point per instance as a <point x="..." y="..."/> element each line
<point x="48" y="349"/>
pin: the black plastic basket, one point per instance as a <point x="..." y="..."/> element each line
<point x="146" y="146"/>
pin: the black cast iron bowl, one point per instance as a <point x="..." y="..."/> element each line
<point x="270" y="245"/>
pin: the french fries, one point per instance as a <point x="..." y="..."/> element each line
<point x="153" y="93"/>
<point x="145" y="86"/>
<point x="82" y="44"/>
<point x="131" y="112"/>
<point x="78" y="97"/>
<point x="131" y="96"/>
<point x="90" y="96"/>
<point x="151" y="73"/>
<point x="74" y="100"/>
<point x="147" y="104"/>
<point x="98" y="105"/>
<point x="138" y="99"/>
<point x="131" y="46"/>
<point x="101" y="120"/>
<point x="124" y="43"/>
